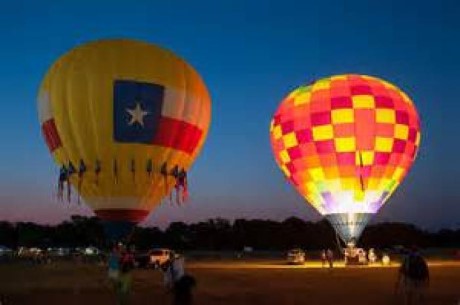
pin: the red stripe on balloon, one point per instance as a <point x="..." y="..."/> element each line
<point x="122" y="214"/>
<point x="177" y="134"/>
<point x="49" y="130"/>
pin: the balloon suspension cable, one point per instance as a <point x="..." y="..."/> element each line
<point x="164" y="173"/>
<point x="338" y="243"/>
<point x="81" y="172"/>
<point x="70" y="171"/>
<point x="69" y="190"/>
<point x="80" y="181"/>
<point x="129" y="237"/>
<point x="61" y="181"/>
<point x="60" y="191"/>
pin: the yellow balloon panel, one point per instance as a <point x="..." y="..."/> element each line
<point x="116" y="106"/>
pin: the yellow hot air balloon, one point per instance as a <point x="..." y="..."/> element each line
<point x="346" y="142"/>
<point x="125" y="120"/>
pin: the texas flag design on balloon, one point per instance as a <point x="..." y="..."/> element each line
<point x="143" y="113"/>
<point x="141" y="116"/>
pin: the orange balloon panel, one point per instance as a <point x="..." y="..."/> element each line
<point x="346" y="142"/>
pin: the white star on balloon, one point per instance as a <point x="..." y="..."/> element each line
<point x="137" y="115"/>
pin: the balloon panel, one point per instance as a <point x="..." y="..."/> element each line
<point x="346" y="142"/>
<point x="125" y="107"/>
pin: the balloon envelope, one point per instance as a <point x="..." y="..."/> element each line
<point x="346" y="142"/>
<point x="117" y="111"/>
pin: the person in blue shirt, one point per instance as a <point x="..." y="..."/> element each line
<point x="114" y="264"/>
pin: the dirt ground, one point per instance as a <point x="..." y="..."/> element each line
<point x="223" y="283"/>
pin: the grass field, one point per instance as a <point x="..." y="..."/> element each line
<point x="224" y="282"/>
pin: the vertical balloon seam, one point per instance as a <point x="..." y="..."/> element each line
<point x="46" y="89"/>
<point x="116" y="177"/>
<point x="90" y="79"/>
<point x="163" y="156"/>
<point x="60" y="97"/>
<point x="181" y="114"/>
<point x="202" y="114"/>
<point x="182" y="111"/>
<point x="144" y="180"/>
<point x="199" y="114"/>
<point x="60" y="154"/>
<point x="205" y="115"/>
<point x="188" y="112"/>
<point x="169" y="152"/>
<point x="55" y="97"/>
<point x="163" y="153"/>
<point x="73" y="134"/>
<point x="88" y="189"/>
<point x="134" y="154"/>
<point x="101" y="189"/>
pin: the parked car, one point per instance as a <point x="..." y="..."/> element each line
<point x="91" y="251"/>
<point x="159" y="256"/>
<point x="58" y="252"/>
<point x="33" y="254"/>
<point x="5" y="253"/>
<point x="296" y="257"/>
<point x="5" y="250"/>
<point x="153" y="258"/>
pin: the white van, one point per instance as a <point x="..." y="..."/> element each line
<point x="296" y="257"/>
<point x="157" y="257"/>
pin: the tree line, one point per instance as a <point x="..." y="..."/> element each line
<point x="221" y="234"/>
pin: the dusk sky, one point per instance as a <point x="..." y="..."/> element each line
<point x="250" y="56"/>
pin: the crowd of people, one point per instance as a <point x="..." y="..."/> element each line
<point x="327" y="258"/>
<point x="412" y="281"/>
<point x="121" y="262"/>
<point x="413" y="276"/>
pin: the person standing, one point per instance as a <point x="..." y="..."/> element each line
<point x="323" y="258"/>
<point x="413" y="277"/>
<point x="372" y="257"/>
<point x="114" y="266"/>
<point x="126" y="266"/>
<point x="183" y="290"/>
<point x="114" y="270"/>
<point x="177" y="282"/>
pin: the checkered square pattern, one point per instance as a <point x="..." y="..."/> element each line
<point x="346" y="142"/>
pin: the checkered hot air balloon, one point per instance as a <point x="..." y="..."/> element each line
<point x="130" y="112"/>
<point x="346" y="142"/>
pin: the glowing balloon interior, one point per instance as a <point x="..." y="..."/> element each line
<point x="124" y="120"/>
<point x="346" y="142"/>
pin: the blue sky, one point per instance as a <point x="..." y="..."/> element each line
<point x="250" y="54"/>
